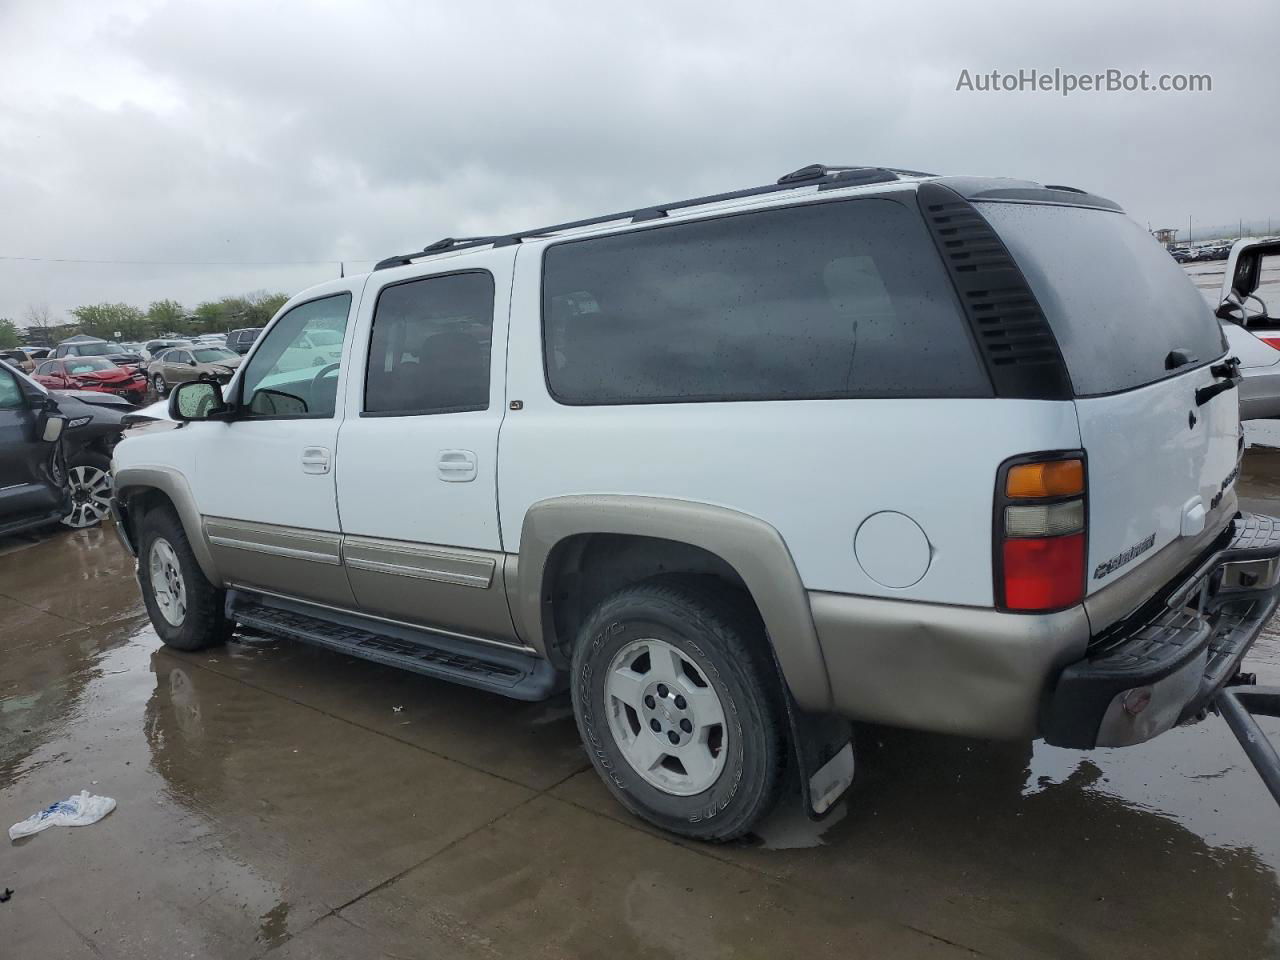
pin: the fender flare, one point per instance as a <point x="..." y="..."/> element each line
<point x="129" y="481"/>
<point x="752" y="547"/>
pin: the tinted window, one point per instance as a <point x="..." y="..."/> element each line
<point x="286" y="378"/>
<point x="48" y="368"/>
<point x="10" y="392"/>
<point x="1117" y="302"/>
<point x="93" y="350"/>
<point x="825" y="300"/>
<point x="430" y="346"/>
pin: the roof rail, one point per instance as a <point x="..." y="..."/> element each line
<point x="823" y="176"/>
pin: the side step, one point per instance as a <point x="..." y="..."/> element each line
<point x="509" y="672"/>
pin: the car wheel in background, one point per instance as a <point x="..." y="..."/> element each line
<point x="157" y="381"/>
<point x="680" y="707"/>
<point x="89" y="476"/>
<point x="186" y="610"/>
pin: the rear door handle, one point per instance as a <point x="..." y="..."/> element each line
<point x="315" y="459"/>
<point x="456" y="466"/>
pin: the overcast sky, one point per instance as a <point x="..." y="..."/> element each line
<point x="322" y="131"/>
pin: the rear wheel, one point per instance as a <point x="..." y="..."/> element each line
<point x="158" y="384"/>
<point x="680" y="707"/>
<point x="185" y="608"/>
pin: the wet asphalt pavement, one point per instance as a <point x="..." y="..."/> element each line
<point x="279" y="800"/>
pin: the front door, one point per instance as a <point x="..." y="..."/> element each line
<point x="27" y="484"/>
<point x="265" y="479"/>
<point x="417" y="470"/>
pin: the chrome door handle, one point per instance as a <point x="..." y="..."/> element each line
<point x="315" y="460"/>
<point x="456" y="466"/>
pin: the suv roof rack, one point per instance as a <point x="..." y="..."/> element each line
<point x="825" y="177"/>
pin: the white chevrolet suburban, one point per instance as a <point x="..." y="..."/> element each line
<point x="946" y="453"/>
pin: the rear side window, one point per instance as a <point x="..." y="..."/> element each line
<point x="824" y="300"/>
<point x="430" y="346"/>
<point x="1117" y="302"/>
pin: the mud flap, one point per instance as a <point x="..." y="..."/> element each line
<point x="823" y="748"/>
<point x="1238" y="705"/>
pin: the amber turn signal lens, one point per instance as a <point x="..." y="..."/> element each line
<point x="1056" y="478"/>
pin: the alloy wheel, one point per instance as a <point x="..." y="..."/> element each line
<point x="167" y="586"/>
<point x="90" y="496"/>
<point x="666" y="717"/>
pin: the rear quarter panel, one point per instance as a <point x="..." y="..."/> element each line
<point x="814" y="470"/>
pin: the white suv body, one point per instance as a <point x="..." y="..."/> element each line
<point x="944" y="453"/>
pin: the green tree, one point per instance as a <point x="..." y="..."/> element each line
<point x="165" y="316"/>
<point x="106" y="320"/>
<point x="230" y="313"/>
<point x="9" y="335"/>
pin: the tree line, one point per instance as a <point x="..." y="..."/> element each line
<point x="123" y="321"/>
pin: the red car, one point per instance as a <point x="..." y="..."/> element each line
<point x="93" y="373"/>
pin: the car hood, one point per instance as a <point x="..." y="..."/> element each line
<point x="222" y="366"/>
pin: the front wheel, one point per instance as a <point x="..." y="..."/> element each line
<point x="185" y="608"/>
<point x="157" y="382"/>
<point x="680" y="707"/>
<point x="89" y="477"/>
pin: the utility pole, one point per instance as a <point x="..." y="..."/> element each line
<point x="1188" y="229"/>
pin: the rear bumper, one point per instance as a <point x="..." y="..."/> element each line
<point x="1164" y="664"/>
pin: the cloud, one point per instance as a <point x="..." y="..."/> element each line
<point x="324" y="131"/>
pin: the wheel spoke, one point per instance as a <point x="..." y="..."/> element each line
<point x="664" y="663"/>
<point x="645" y="752"/>
<point x="697" y="761"/>
<point x="705" y="705"/>
<point x="627" y="685"/>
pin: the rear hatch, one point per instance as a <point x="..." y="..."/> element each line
<point x="1139" y="342"/>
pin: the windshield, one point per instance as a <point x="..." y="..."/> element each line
<point x="1117" y="302"/>
<point x="215" y="355"/>
<point x="325" y="338"/>
<point x="88" y="365"/>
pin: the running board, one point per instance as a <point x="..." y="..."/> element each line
<point x="509" y="672"/>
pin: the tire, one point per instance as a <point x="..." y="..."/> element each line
<point x="158" y="384"/>
<point x="89" y="474"/>
<point x="716" y="639"/>
<point x="193" y="615"/>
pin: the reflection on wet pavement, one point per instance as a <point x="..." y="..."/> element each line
<point x="280" y="800"/>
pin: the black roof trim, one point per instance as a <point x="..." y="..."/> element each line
<point x="815" y="174"/>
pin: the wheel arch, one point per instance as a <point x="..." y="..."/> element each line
<point x="142" y="488"/>
<point x="557" y="538"/>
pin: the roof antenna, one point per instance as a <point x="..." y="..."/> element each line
<point x="342" y="269"/>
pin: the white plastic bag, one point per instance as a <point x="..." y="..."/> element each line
<point x="78" y="811"/>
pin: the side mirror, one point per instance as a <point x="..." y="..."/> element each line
<point x="191" y="363"/>
<point x="1248" y="273"/>
<point x="196" y="400"/>
<point x="52" y="429"/>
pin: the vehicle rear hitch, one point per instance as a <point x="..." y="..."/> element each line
<point x="1239" y="703"/>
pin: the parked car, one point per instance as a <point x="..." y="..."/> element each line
<point x="92" y="373"/>
<point x="858" y="445"/>
<point x="241" y="340"/>
<point x="82" y="346"/>
<point x="95" y="423"/>
<point x="196" y="362"/>
<point x="153" y="348"/>
<point x="33" y="474"/>
<point x="17" y="359"/>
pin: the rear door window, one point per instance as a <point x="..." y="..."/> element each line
<point x="823" y="300"/>
<point x="430" y="346"/>
<point x="1117" y="302"/>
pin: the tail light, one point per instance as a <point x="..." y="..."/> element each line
<point x="1272" y="341"/>
<point x="1040" y="532"/>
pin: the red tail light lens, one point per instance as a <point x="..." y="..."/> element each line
<point x="1040" y="536"/>
<point x="1271" y="341"/>
<point x="1044" y="573"/>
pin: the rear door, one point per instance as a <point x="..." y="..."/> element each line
<point x="418" y="452"/>
<point x="1140" y="345"/>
